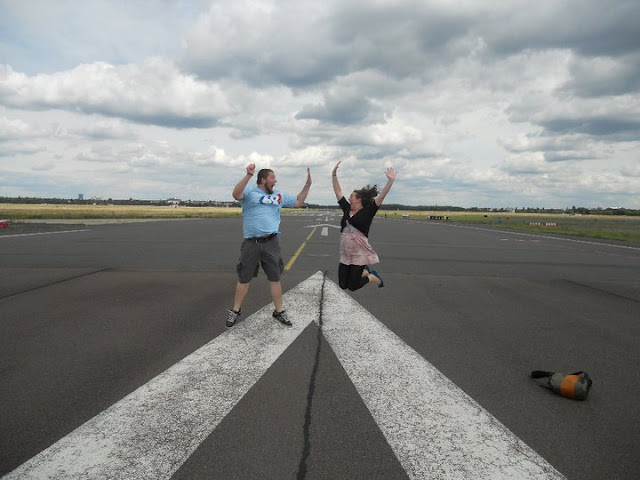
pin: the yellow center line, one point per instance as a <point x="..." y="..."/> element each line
<point x="295" y="255"/>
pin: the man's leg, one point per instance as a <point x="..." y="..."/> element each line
<point x="279" y="313"/>
<point x="241" y="292"/>
<point x="273" y="265"/>
<point x="247" y="269"/>
<point x="276" y="295"/>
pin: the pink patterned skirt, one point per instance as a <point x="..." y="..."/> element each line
<point x="355" y="248"/>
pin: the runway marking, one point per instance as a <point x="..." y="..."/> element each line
<point x="42" y="233"/>
<point x="325" y="231"/>
<point x="151" y="432"/>
<point x="295" y="255"/>
<point x="434" y="428"/>
<point x="519" y="240"/>
<point x="548" y="237"/>
<point x="328" y="225"/>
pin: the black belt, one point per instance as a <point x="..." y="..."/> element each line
<point x="264" y="239"/>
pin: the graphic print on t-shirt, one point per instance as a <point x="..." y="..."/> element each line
<point x="274" y="199"/>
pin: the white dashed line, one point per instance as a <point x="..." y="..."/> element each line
<point x="42" y="233"/>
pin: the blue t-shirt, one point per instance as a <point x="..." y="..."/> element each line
<point x="261" y="211"/>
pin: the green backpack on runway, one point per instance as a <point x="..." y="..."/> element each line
<point x="571" y="385"/>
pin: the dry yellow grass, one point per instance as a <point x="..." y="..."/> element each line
<point x="36" y="212"/>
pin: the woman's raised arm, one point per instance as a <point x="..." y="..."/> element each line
<point x="336" y="184"/>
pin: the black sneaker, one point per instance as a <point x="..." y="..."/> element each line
<point x="282" y="317"/>
<point x="233" y="316"/>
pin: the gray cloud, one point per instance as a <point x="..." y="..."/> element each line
<point x="588" y="27"/>
<point x="604" y="76"/>
<point x="616" y="129"/>
<point x="348" y="108"/>
<point x="330" y="42"/>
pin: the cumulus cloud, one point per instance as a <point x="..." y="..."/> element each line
<point x="154" y="92"/>
<point x="17" y="129"/>
<point x="105" y="130"/>
<point x="474" y="102"/>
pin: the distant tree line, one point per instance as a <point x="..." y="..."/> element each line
<point x="111" y="201"/>
<point x="392" y="206"/>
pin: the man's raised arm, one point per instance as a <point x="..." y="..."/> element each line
<point x="238" y="190"/>
<point x="302" y="196"/>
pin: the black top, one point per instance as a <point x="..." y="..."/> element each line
<point x="361" y="219"/>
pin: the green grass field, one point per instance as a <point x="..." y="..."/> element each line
<point x="620" y="228"/>
<point x="608" y="227"/>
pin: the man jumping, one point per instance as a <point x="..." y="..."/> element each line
<point x="261" y="206"/>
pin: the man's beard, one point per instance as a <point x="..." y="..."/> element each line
<point x="268" y="188"/>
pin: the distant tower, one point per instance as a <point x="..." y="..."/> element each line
<point x="81" y="196"/>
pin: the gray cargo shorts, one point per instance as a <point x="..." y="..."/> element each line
<point x="253" y="254"/>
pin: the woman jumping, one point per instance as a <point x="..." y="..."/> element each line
<point x="356" y="254"/>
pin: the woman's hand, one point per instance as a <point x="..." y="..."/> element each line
<point x="391" y="174"/>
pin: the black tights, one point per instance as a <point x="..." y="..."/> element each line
<point x="350" y="276"/>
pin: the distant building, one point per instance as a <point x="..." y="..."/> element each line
<point x="81" y="196"/>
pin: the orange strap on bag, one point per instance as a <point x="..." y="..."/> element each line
<point x="570" y="385"/>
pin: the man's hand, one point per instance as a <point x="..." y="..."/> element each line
<point x="302" y="196"/>
<point x="251" y="168"/>
<point x="335" y="169"/>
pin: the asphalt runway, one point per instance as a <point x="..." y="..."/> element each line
<point x="92" y="313"/>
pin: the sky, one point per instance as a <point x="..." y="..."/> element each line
<point x="474" y="103"/>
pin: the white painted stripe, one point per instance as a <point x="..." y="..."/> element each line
<point x="42" y="233"/>
<point x="325" y="231"/>
<point x="548" y="237"/>
<point x="152" y="431"/>
<point x="323" y="225"/>
<point x="435" y="429"/>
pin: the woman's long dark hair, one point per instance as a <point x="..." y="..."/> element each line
<point x="367" y="194"/>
